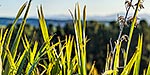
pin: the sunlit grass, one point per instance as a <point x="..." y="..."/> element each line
<point x="59" y="55"/>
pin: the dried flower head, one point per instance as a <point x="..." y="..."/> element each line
<point x="122" y="21"/>
<point x="140" y="5"/>
<point x="130" y="20"/>
<point x="128" y="4"/>
<point x="124" y="38"/>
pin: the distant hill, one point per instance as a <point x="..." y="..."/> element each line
<point x="34" y="21"/>
<point x="63" y="19"/>
<point x="113" y="17"/>
<point x="108" y="18"/>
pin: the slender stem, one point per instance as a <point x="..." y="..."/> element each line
<point x="127" y="12"/>
<point x="120" y="33"/>
<point x="131" y="31"/>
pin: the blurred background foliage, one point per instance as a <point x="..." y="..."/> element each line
<point x="99" y="34"/>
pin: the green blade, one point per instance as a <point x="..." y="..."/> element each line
<point x="131" y="29"/>
<point x="43" y="24"/>
<point x="8" y="38"/>
<point x="9" y="35"/>
<point x="148" y="70"/>
<point x="137" y="62"/>
<point x="20" y="64"/>
<point x="116" y="61"/>
<point x="129" y="66"/>
<point x="20" y="31"/>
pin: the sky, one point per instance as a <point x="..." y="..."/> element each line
<point x="9" y="8"/>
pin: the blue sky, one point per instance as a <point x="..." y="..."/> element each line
<point x="9" y="8"/>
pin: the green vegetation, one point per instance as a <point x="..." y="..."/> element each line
<point x="67" y="50"/>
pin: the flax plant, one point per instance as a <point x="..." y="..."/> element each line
<point x="113" y="60"/>
<point x="12" y="65"/>
<point x="81" y="40"/>
<point x="132" y="27"/>
<point x="68" y="56"/>
<point x="61" y="60"/>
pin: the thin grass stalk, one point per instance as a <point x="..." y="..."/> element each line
<point x="28" y="49"/>
<point x="77" y="42"/>
<point x="131" y="31"/>
<point x="17" y="39"/>
<point x="76" y="52"/>
<point x="84" y="58"/>
<point x="92" y="69"/>
<point x="43" y="24"/>
<point x="11" y="70"/>
<point x="84" y="40"/>
<point x="1" y="35"/>
<point x="62" y="57"/>
<point x="20" y="31"/>
<point x="2" y="40"/>
<point x="79" y="38"/>
<point x="37" y="58"/>
<point x="84" y="22"/>
<point x="128" y="67"/>
<point x="45" y="33"/>
<point x="1" y="48"/>
<point x="116" y="61"/>
<point x="148" y="70"/>
<point x="120" y="33"/>
<point x="74" y="64"/>
<point x="22" y="59"/>
<point x="80" y="32"/>
<point x="14" y="23"/>
<point x="9" y="35"/>
<point x="137" y="62"/>
<point x="107" y="64"/>
<point x="1" y="66"/>
<point x="81" y="46"/>
<point x="50" y="66"/>
<point x="69" y="46"/>
<point x="41" y="52"/>
<point x="144" y="72"/>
